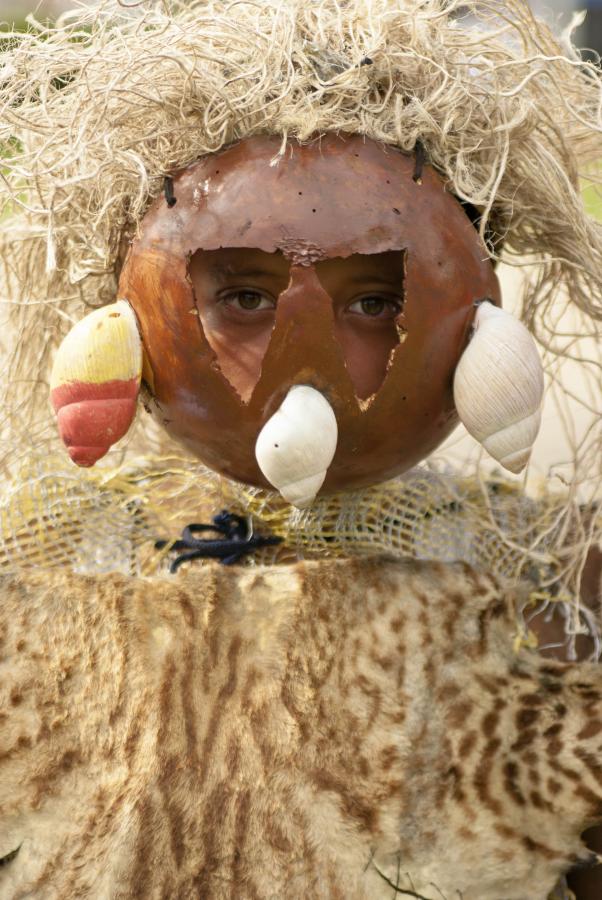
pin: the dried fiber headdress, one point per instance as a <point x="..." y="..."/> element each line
<point x="99" y="108"/>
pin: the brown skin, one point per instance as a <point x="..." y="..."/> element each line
<point x="237" y="293"/>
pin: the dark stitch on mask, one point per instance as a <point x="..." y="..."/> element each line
<point x="170" y="197"/>
<point x="420" y="161"/>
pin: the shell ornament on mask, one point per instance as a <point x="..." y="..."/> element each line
<point x="338" y="267"/>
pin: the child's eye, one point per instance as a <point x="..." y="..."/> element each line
<point x="376" y="306"/>
<point x="247" y="300"/>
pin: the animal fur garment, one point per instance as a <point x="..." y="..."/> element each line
<point x="333" y="729"/>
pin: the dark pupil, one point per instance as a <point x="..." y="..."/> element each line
<point x="249" y="299"/>
<point x="373" y="306"/>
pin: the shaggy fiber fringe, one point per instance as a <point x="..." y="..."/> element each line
<point x="97" y="109"/>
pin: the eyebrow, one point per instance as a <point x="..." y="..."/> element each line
<point x="224" y="270"/>
<point x="227" y="271"/>
<point x="376" y="279"/>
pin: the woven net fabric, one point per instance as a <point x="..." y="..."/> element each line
<point x="96" y="521"/>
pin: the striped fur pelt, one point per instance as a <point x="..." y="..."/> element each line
<point x="340" y="729"/>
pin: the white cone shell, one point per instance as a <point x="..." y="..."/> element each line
<point x="498" y="387"/>
<point x="296" y="446"/>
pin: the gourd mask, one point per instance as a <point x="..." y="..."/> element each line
<point x="341" y="267"/>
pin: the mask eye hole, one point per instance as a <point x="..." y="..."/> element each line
<point x="236" y="292"/>
<point x="368" y="295"/>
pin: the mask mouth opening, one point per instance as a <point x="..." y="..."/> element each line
<point x="239" y="291"/>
